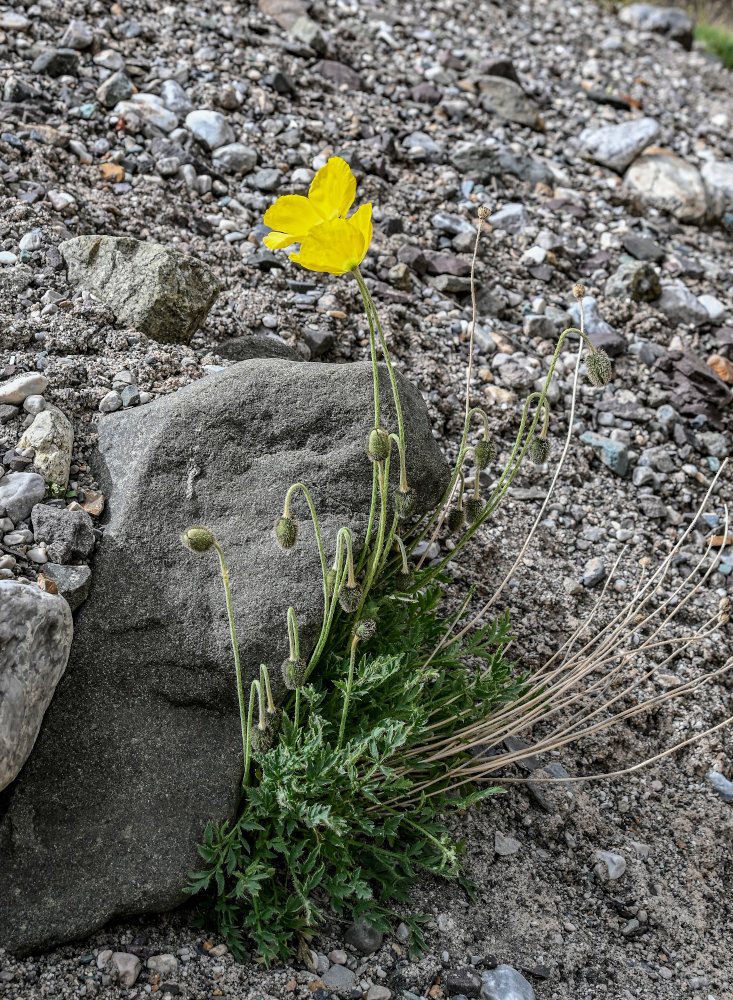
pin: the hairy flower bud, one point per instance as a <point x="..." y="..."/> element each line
<point x="404" y="502"/>
<point x="474" y="509"/>
<point x="350" y="598"/>
<point x="262" y="740"/>
<point x="293" y="672"/>
<point x="456" y="517"/>
<point x="579" y="291"/>
<point x="404" y="582"/>
<point x="483" y="453"/>
<point x="365" y="629"/>
<point x="599" y="369"/>
<point x="198" y="539"/>
<point x="286" y="532"/>
<point x="378" y="444"/>
<point x="539" y="450"/>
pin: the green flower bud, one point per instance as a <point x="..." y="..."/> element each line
<point x="350" y="598"/>
<point x="404" y="582"/>
<point x="198" y="539"/>
<point x="598" y="367"/>
<point x="404" y="502"/>
<point x="365" y="629"/>
<point x="484" y="452"/>
<point x="456" y="517"/>
<point x="474" y="509"/>
<point x="539" y="450"/>
<point x="378" y="444"/>
<point x="262" y="740"/>
<point x="286" y="532"/>
<point x="330" y="581"/>
<point x="293" y="672"/>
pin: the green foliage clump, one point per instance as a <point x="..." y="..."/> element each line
<point x="343" y="823"/>
<point x="717" y="39"/>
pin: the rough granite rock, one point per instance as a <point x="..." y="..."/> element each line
<point x="35" y="639"/>
<point x="68" y="534"/>
<point x="507" y="100"/>
<point x="669" y="183"/>
<point x="19" y="493"/>
<point x="247" y="348"/>
<point x="164" y="294"/>
<point x="617" y="146"/>
<point x="151" y="667"/>
<point x="670" y="21"/>
<point x="52" y="436"/>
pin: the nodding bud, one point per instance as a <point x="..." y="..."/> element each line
<point x="599" y="369"/>
<point x="404" y="582"/>
<point x="350" y="598"/>
<point x="293" y="672"/>
<point x="484" y="212"/>
<point x="539" y="450"/>
<point x="378" y="444"/>
<point x="483" y="453"/>
<point x="456" y="517"/>
<point x="365" y="629"/>
<point x="404" y="502"/>
<point x="579" y="291"/>
<point x="286" y="532"/>
<point x="262" y="740"/>
<point x="474" y="509"/>
<point x="198" y="539"/>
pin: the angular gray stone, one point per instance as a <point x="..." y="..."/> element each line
<point x="717" y="176"/>
<point x="364" y="938"/>
<point x="52" y="436"/>
<point x="174" y="97"/>
<point x="554" y="796"/>
<point x="512" y="217"/>
<point x="505" y="983"/>
<point x="247" y="348"/>
<point x="338" y="978"/>
<point x="637" y="280"/>
<point x="506" y="99"/>
<point x="115" y="88"/>
<point x="162" y="293"/>
<point x="19" y="493"/>
<point x="72" y="582"/>
<point x="150" y="109"/>
<point x="617" y="146"/>
<point x="721" y="785"/>
<point x="235" y="158"/>
<point x="669" y="21"/>
<point x="151" y="662"/>
<point x="681" y="305"/>
<point x="35" y="639"/>
<point x="308" y="31"/>
<point x="211" y="128"/>
<point x="601" y="333"/>
<point x="68" y="534"/>
<point x="485" y="162"/>
<point x="669" y="183"/>
<point x="18" y="389"/>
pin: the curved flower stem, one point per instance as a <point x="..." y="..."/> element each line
<point x="235" y="649"/>
<point x="377" y="554"/>
<point x="372" y="345"/>
<point x="341" y="572"/>
<point x="369" y="304"/>
<point x="347" y="693"/>
<point x="319" y="540"/>
<point x="516" y="457"/>
<point x="372" y="512"/>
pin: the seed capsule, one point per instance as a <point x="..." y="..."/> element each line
<point x="483" y="453"/>
<point x="404" y="502"/>
<point x="579" y="291"/>
<point x="198" y="539"/>
<point x="350" y="598"/>
<point x="286" y="532"/>
<point x="456" y="517"/>
<point x="365" y="629"/>
<point x="599" y="368"/>
<point x="474" y="509"/>
<point x="293" y="672"/>
<point x="539" y="450"/>
<point x="404" y="582"/>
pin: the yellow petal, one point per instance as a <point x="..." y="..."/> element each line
<point x="293" y="213"/>
<point x="333" y="189"/>
<point x="362" y="220"/>
<point x="335" y="247"/>
<point x="277" y="241"/>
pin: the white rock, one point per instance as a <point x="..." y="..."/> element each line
<point x="669" y="183"/>
<point x="31" y="241"/>
<point x="111" y="402"/>
<point x="617" y="146"/>
<point x="174" y="97"/>
<point x="718" y="178"/>
<point x="104" y="958"/>
<point x="127" y="967"/>
<point x="150" y="109"/>
<point x="60" y="200"/>
<point x="7" y="259"/>
<point x="12" y="20"/>
<point x="52" y="436"/>
<point x="37" y="554"/>
<point x="715" y="308"/>
<point x="34" y="404"/>
<point x="210" y="128"/>
<point x="109" y="59"/>
<point x="505" y="983"/>
<point x="615" y="863"/>
<point x="18" y="389"/>
<point x="166" y="965"/>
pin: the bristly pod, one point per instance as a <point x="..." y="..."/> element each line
<point x="404" y="582"/>
<point x="365" y="629"/>
<point x="539" y="450"/>
<point x="286" y="531"/>
<point x="474" y="509"/>
<point x="198" y="539"/>
<point x="262" y="740"/>
<point x="293" y="672"/>
<point x="579" y="291"/>
<point x="455" y="518"/>
<point x="350" y="598"/>
<point x="483" y="453"/>
<point x="378" y="444"/>
<point x="404" y="502"/>
<point x="598" y="367"/>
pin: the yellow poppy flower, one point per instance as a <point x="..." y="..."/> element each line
<point x="329" y="241"/>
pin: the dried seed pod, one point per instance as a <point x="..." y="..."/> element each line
<point x="198" y="539"/>
<point x="378" y="444"/>
<point x="599" y="368"/>
<point x="350" y="598"/>
<point x="455" y="518"/>
<point x="539" y="450"/>
<point x="484" y="212"/>
<point x="286" y="531"/>
<point x="579" y="291"/>
<point x="483" y="453"/>
<point x="474" y="509"/>
<point x="293" y="672"/>
<point x="365" y="629"/>
<point x="404" y="502"/>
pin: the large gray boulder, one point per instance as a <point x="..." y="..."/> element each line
<point x="617" y="146"/>
<point x="669" y="21"/>
<point x="35" y="639"/>
<point x="141" y="746"/>
<point x="161" y="292"/>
